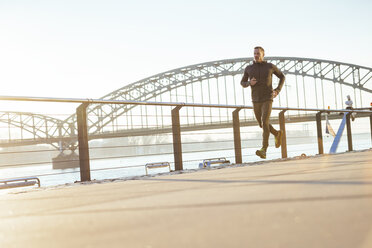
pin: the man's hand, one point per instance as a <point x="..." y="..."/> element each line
<point x="253" y="81"/>
<point x="275" y="93"/>
<point x="244" y="84"/>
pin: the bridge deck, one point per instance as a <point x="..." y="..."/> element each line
<point x="167" y="129"/>
<point x="321" y="201"/>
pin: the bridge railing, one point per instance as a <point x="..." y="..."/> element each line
<point x="83" y="136"/>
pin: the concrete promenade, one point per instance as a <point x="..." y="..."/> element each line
<point x="323" y="201"/>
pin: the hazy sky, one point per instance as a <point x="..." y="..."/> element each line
<point x="88" y="48"/>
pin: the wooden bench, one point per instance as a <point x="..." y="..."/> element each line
<point x="208" y="162"/>
<point x="157" y="165"/>
<point x="19" y="182"/>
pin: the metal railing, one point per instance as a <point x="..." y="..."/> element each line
<point x="81" y="113"/>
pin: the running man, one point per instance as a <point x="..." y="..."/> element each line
<point x="259" y="76"/>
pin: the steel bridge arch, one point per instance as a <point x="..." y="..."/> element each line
<point x="355" y="76"/>
<point x="37" y="126"/>
<point x="100" y="116"/>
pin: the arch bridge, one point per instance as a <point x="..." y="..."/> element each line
<point x="310" y="83"/>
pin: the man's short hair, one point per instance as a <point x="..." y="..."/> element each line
<point x="260" y="48"/>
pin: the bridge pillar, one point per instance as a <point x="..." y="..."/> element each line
<point x="177" y="145"/>
<point x="319" y="132"/>
<point x="81" y="116"/>
<point x="348" y="128"/>
<point x="237" y="140"/>
<point x="284" y="136"/>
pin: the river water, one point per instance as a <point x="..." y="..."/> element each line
<point x="301" y="138"/>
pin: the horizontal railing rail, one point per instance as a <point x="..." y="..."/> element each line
<point x="183" y="104"/>
<point x="83" y="136"/>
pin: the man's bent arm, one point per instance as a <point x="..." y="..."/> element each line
<point x="281" y="77"/>
<point x="244" y="82"/>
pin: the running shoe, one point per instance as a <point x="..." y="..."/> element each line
<point x="261" y="153"/>
<point x="278" y="139"/>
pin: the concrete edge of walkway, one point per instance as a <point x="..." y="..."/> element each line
<point x="217" y="167"/>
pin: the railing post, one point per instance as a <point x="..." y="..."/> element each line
<point x="319" y="132"/>
<point x="348" y="128"/>
<point x="81" y="116"/>
<point x="177" y="145"/>
<point x="370" y="122"/>
<point x="284" y="136"/>
<point x="237" y="140"/>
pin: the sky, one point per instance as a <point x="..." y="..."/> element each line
<point x="89" y="48"/>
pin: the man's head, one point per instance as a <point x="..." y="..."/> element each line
<point x="259" y="54"/>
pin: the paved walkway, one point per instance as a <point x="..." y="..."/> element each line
<point x="324" y="201"/>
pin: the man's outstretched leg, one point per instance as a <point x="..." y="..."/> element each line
<point x="266" y="108"/>
<point x="266" y="112"/>
<point x="257" y="108"/>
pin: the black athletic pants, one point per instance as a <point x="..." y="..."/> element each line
<point x="262" y="111"/>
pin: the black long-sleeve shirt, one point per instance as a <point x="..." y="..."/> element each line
<point x="262" y="90"/>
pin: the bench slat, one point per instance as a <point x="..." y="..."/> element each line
<point x="16" y="185"/>
<point x="18" y="182"/>
<point x="157" y="165"/>
<point x="208" y="162"/>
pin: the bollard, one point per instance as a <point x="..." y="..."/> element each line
<point x="237" y="140"/>
<point x="81" y="116"/>
<point x="319" y="132"/>
<point x="177" y="145"/>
